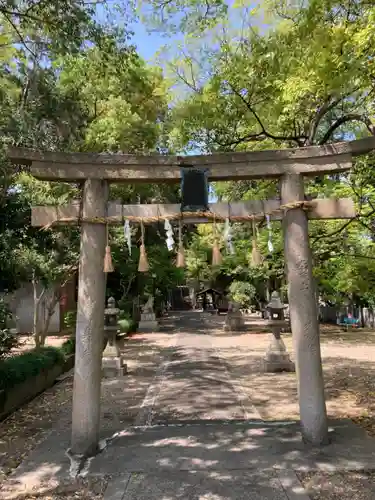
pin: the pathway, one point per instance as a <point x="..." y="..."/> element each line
<point x="182" y="426"/>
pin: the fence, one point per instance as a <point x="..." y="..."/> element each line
<point x="331" y="314"/>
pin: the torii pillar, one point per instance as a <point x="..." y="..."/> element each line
<point x="90" y="322"/>
<point x="303" y="314"/>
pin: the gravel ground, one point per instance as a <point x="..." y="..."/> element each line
<point x="84" y="489"/>
<point x="26" y="428"/>
<point x="22" y="431"/>
<point x="349" y="373"/>
<point x="339" y="486"/>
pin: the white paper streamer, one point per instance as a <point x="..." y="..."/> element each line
<point x="270" y="245"/>
<point x="228" y="236"/>
<point x="128" y="236"/>
<point x="169" y="233"/>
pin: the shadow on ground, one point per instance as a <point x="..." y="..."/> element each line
<point x="232" y="461"/>
<point x="201" y="392"/>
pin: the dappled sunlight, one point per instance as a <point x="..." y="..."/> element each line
<point x="203" y="464"/>
<point x="214" y="447"/>
<point x="43" y="477"/>
<point x="41" y="473"/>
<point x="197" y="414"/>
<point x="206" y="382"/>
<point x="183" y="442"/>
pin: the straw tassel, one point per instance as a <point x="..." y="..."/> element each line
<point x="256" y="256"/>
<point x="181" y="252"/>
<point x="108" y="265"/>
<point x="143" y="265"/>
<point x="217" y="258"/>
<point x="180" y="257"/>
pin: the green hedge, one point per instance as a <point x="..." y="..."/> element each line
<point x="18" y="369"/>
<point x="69" y="346"/>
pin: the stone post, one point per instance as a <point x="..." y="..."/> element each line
<point x="234" y="321"/>
<point x="90" y="322"/>
<point x="148" y="321"/>
<point x="303" y="315"/>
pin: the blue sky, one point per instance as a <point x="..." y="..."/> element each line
<point x="148" y="43"/>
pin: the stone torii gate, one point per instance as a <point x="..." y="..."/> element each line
<point x="97" y="170"/>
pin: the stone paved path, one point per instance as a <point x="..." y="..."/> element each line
<point x="181" y="426"/>
<point x="194" y="381"/>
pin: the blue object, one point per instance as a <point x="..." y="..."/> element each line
<point x="350" y="321"/>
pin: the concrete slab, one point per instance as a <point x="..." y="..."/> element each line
<point x="207" y="447"/>
<point x="116" y="489"/>
<point x="45" y="468"/>
<point x="292" y="485"/>
<point x="208" y="485"/>
<point x="239" y="446"/>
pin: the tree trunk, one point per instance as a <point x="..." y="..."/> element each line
<point x="50" y="311"/>
<point x="36" y="316"/>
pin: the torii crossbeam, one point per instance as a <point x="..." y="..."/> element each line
<point x="97" y="170"/>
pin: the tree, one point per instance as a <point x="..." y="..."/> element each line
<point x="189" y="16"/>
<point x="124" y="100"/>
<point x="288" y="87"/>
<point x="49" y="26"/>
<point x="306" y="80"/>
<point x="97" y="96"/>
<point x="47" y="275"/>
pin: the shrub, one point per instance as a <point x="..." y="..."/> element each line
<point x="5" y="314"/>
<point x="17" y="369"/>
<point x="8" y="340"/>
<point x="69" y="346"/>
<point x="242" y="292"/>
<point x="70" y="319"/>
<point x="126" y="323"/>
<point x="126" y="306"/>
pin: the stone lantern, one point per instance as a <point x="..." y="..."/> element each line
<point x="277" y="359"/>
<point x="112" y="363"/>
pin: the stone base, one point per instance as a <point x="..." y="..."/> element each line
<point x="148" y="326"/>
<point x="114" y="367"/>
<point x="148" y="322"/>
<point x="281" y="364"/>
<point x="277" y="359"/>
<point x="234" y="322"/>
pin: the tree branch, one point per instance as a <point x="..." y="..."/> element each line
<point x="20" y="15"/>
<point x="345" y="119"/>
<point x="333" y="233"/>
<point x="298" y="139"/>
<point x="21" y="38"/>
<point x="247" y="138"/>
<point x="315" y="122"/>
